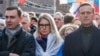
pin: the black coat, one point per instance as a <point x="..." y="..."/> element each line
<point x="22" y="44"/>
<point x="73" y="45"/>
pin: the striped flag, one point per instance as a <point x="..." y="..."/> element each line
<point x="74" y="9"/>
<point x="71" y="1"/>
<point x="97" y="6"/>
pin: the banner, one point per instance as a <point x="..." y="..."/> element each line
<point x="71" y="1"/>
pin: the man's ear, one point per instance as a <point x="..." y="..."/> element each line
<point x="21" y="18"/>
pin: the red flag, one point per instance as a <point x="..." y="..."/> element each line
<point x="21" y="1"/>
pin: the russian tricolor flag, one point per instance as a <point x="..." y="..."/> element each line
<point x="74" y="8"/>
<point x="97" y="6"/>
<point x="71" y="1"/>
<point x="75" y="5"/>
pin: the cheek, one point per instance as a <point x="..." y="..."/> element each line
<point x="17" y="22"/>
<point x="40" y="29"/>
<point x="27" y="25"/>
<point x="49" y="30"/>
<point x="83" y="20"/>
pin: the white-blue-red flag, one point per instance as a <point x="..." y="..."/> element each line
<point x="97" y="6"/>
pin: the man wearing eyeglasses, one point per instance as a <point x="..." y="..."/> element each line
<point x="14" y="41"/>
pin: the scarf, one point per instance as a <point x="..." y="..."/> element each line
<point x="53" y="46"/>
<point x="11" y="33"/>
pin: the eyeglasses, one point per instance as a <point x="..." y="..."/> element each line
<point x="44" y="24"/>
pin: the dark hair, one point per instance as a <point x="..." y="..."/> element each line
<point x="86" y="4"/>
<point x="34" y="18"/>
<point x="68" y="18"/>
<point x="19" y="11"/>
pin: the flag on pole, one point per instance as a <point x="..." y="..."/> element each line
<point x="74" y="9"/>
<point x="71" y="1"/>
<point x="21" y="1"/>
<point x="96" y="6"/>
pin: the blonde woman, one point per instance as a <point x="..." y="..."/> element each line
<point x="67" y="29"/>
<point x="48" y="41"/>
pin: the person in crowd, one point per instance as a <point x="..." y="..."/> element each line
<point x="29" y="24"/>
<point x="97" y="19"/>
<point x="2" y="24"/>
<point x="33" y="26"/>
<point x="76" y="21"/>
<point x="95" y="23"/>
<point x="14" y="41"/>
<point x="48" y="40"/>
<point x="26" y="22"/>
<point x="67" y="29"/>
<point x="32" y="14"/>
<point x="86" y="40"/>
<point x="59" y="19"/>
<point x="68" y="18"/>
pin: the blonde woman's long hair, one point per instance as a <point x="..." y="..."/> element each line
<point x="52" y="25"/>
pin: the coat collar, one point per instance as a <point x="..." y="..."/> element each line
<point x="92" y="41"/>
<point x="14" y="39"/>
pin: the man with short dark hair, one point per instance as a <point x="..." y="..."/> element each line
<point x="68" y="18"/>
<point x="86" y="40"/>
<point x="14" y="41"/>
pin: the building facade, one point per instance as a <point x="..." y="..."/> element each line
<point x="37" y="6"/>
<point x="63" y="8"/>
<point x="3" y="5"/>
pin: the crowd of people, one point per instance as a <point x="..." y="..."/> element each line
<point x="24" y="34"/>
